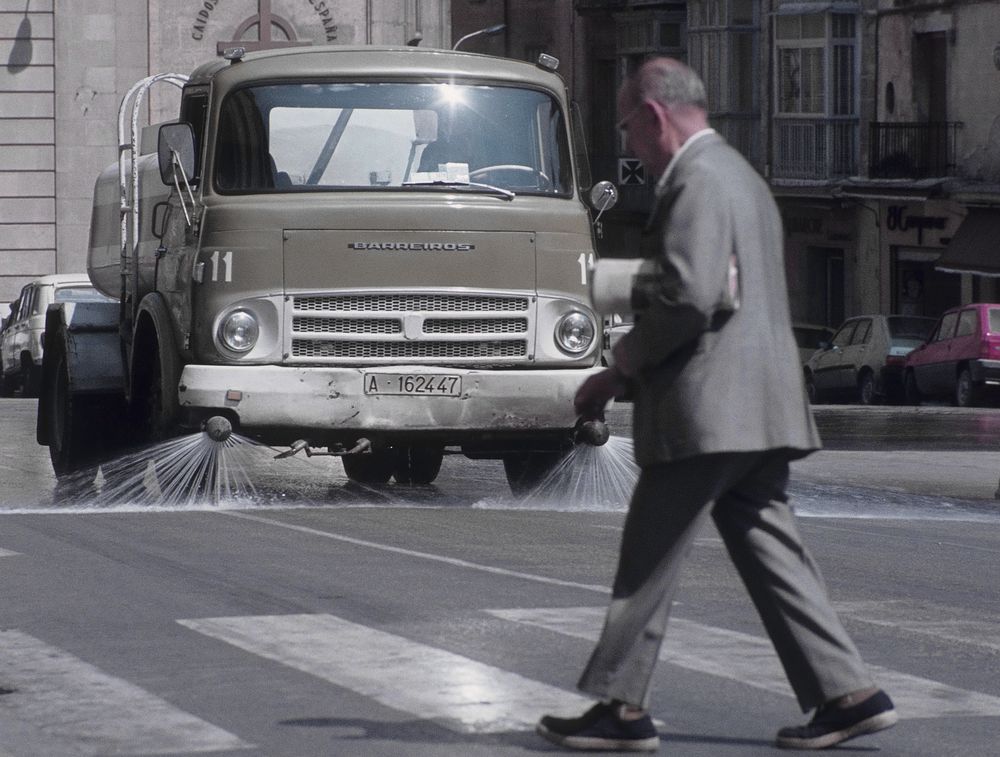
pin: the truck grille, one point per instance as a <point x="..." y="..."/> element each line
<point x="469" y="329"/>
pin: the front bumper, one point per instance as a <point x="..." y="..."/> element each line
<point x="328" y="404"/>
<point x="985" y="371"/>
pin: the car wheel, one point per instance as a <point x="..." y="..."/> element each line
<point x="910" y="391"/>
<point x="967" y="394"/>
<point x="369" y="467"/>
<point x="7" y="385"/>
<point x="866" y="389"/>
<point x="417" y="465"/>
<point x="812" y="390"/>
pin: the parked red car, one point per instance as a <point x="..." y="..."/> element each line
<point x="961" y="360"/>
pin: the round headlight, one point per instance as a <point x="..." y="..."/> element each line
<point x="575" y="333"/>
<point x="239" y="331"/>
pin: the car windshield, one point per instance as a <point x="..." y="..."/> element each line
<point x="909" y="331"/>
<point x="378" y="136"/>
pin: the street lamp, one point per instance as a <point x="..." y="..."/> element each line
<point x="489" y="31"/>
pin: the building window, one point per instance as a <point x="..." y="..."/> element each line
<point x="814" y="51"/>
<point x="723" y="41"/>
<point x="816" y="93"/>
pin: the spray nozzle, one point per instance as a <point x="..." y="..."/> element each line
<point x="592" y="430"/>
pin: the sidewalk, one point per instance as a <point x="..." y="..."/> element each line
<point x="964" y="475"/>
<point x="895" y="449"/>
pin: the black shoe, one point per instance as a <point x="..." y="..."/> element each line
<point x="601" y="728"/>
<point x="831" y="725"/>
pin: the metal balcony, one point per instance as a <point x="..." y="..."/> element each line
<point x="913" y="150"/>
<point x="742" y="131"/>
<point x="815" y="148"/>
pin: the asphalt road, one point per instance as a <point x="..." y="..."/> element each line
<point x="317" y="618"/>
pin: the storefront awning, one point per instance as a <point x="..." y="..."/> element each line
<point x="975" y="248"/>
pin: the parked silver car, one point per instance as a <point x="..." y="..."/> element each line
<point x="21" y="341"/>
<point x="864" y="360"/>
<point x="809" y="338"/>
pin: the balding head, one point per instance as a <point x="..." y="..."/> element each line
<point x="668" y="82"/>
<point x="660" y="107"/>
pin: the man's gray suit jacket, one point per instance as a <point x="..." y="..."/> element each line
<point x="718" y="369"/>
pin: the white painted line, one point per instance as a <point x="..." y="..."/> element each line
<point x="459" y="693"/>
<point x="7" y="553"/>
<point x="926" y="619"/>
<point x="751" y="660"/>
<point x="420" y="555"/>
<point x="61" y="705"/>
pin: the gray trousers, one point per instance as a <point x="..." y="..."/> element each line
<point x="745" y="495"/>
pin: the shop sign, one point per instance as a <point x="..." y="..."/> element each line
<point x="902" y="225"/>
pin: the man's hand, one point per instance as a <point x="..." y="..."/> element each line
<point x="596" y="392"/>
<point x="621" y="358"/>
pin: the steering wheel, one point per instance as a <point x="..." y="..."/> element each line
<point x="541" y="178"/>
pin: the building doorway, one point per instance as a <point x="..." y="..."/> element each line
<point x="919" y="288"/>
<point x="825" y="284"/>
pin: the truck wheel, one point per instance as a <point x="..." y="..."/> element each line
<point x="370" y="467"/>
<point x="74" y="422"/>
<point x="154" y="406"/>
<point x="417" y="465"/>
<point x="526" y="470"/>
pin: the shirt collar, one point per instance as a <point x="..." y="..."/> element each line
<point x="661" y="185"/>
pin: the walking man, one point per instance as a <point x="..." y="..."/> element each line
<point x="719" y="412"/>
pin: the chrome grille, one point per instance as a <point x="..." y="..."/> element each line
<point x="476" y="326"/>
<point x="313" y="325"/>
<point x="486" y="329"/>
<point x="380" y="303"/>
<point x="401" y="350"/>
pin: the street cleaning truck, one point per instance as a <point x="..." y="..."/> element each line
<point x="380" y="254"/>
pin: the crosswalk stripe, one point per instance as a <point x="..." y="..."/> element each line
<point x="61" y="705"/>
<point x="751" y="660"/>
<point x="925" y="619"/>
<point x="461" y="694"/>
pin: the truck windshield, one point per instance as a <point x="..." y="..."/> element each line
<point x="383" y="136"/>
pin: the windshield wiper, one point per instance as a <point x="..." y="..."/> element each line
<point x="505" y="193"/>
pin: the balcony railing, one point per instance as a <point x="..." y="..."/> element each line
<point x="911" y="150"/>
<point x="742" y="131"/>
<point x="815" y="148"/>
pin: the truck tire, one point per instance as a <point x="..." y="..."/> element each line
<point x="75" y="422"/>
<point x="526" y="470"/>
<point x="369" y="467"/>
<point x="156" y="371"/>
<point x="417" y="465"/>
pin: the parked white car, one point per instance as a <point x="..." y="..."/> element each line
<point x="21" y="342"/>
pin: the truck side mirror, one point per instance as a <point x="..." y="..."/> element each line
<point x="603" y="196"/>
<point x="175" y="150"/>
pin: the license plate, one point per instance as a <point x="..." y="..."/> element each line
<point x="414" y="384"/>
